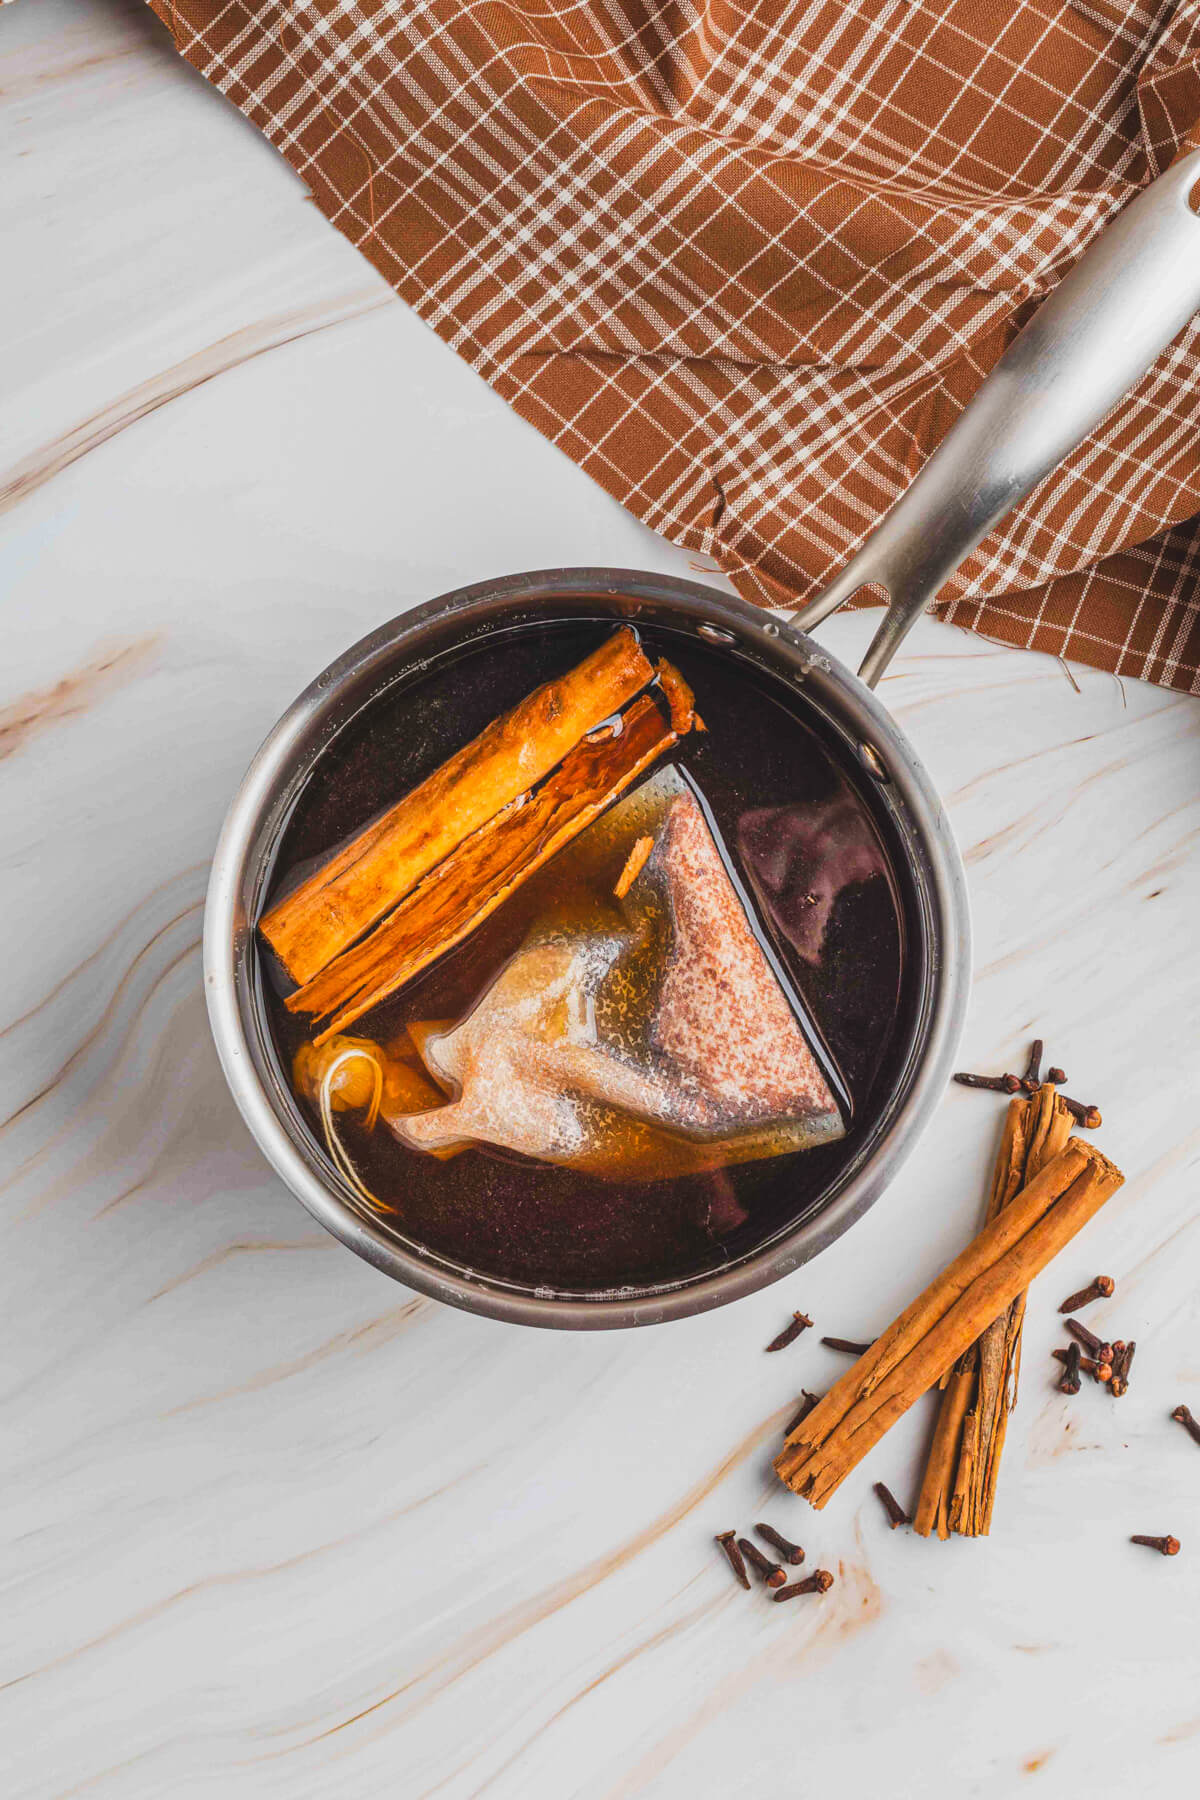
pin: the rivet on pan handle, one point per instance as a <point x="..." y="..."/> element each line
<point x="1096" y="334"/>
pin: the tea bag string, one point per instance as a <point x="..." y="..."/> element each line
<point x="337" y="1150"/>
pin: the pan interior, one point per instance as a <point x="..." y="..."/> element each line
<point x="780" y="741"/>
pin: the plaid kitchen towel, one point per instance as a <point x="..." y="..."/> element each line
<point x="745" y="263"/>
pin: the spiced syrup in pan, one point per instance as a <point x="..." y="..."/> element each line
<point x="803" y="833"/>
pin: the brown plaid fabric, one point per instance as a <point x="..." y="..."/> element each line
<point x="746" y="263"/>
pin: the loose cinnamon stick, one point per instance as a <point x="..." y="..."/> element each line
<point x="473" y="881"/>
<point x="973" y="1418"/>
<point x="999" y="1350"/>
<point x="945" y="1320"/>
<point x="941" y="1480"/>
<point x="937" y="1488"/>
<point x="313" y="924"/>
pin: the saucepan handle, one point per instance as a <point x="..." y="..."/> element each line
<point x="1095" y="335"/>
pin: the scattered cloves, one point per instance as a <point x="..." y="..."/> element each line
<point x="1069" y="1379"/>
<point x="1099" y="1288"/>
<point x="770" y="1572"/>
<point x="789" y="1334"/>
<point x="998" y="1084"/>
<point x="891" y="1506"/>
<point x="802" y="1411"/>
<point x="1086" y="1115"/>
<point x="1166" y="1546"/>
<point x="1092" y="1344"/>
<point x="791" y="1553"/>
<point x="819" y="1582"/>
<point x="1190" y="1424"/>
<point x="728" y="1543"/>
<point x="846" y="1344"/>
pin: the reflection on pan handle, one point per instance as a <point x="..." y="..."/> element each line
<point x="1098" y="332"/>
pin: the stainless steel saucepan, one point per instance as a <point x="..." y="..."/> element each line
<point x="1089" y="342"/>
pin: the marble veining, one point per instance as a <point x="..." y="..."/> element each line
<point x="272" y="1525"/>
<point x="72" y="694"/>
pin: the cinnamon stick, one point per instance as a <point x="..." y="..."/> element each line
<point x="963" y="1466"/>
<point x="681" y="702"/>
<point x="999" y="1349"/>
<point x="938" y="1488"/>
<point x="945" y="1320"/>
<point x="484" y="870"/>
<point x="941" y="1468"/>
<point x="365" y="879"/>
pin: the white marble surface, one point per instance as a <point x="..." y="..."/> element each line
<point x="271" y="1525"/>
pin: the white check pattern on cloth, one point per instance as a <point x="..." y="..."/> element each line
<point x="746" y="264"/>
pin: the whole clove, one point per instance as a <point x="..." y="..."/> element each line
<point x="819" y="1582"/>
<point x="997" y="1084"/>
<point x="801" y="1413"/>
<point x="791" y="1553"/>
<point x="846" y="1344"/>
<point x="1122" y="1359"/>
<point x="1056" y="1076"/>
<point x="1033" y="1068"/>
<point x="1091" y="1343"/>
<point x="728" y="1543"/>
<point x="1090" y="1117"/>
<point x="800" y="1322"/>
<point x="891" y="1506"/>
<point x="1069" y="1380"/>
<point x="770" y="1572"/>
<point x="1190" y="1424"/>
<point x="1100" y="1287"/>
<point x="1166" y="1546"/>
<point x="1099" y="1371"/>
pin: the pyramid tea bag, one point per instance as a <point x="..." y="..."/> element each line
<point x="640" y="1030"/>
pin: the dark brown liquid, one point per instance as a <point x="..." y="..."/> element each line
<point x="796" y="819"/>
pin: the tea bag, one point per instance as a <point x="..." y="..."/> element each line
<point x="640" y="1031"/>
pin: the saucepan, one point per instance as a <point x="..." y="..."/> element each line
<point x="1097" y="333"/>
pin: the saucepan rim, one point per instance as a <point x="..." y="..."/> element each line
<point x="264" y="800"/>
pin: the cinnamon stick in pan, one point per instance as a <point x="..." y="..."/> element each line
<point x="364" y="880"/>
<point x="944" y="1321"/>
<point x="481" y="873"/>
